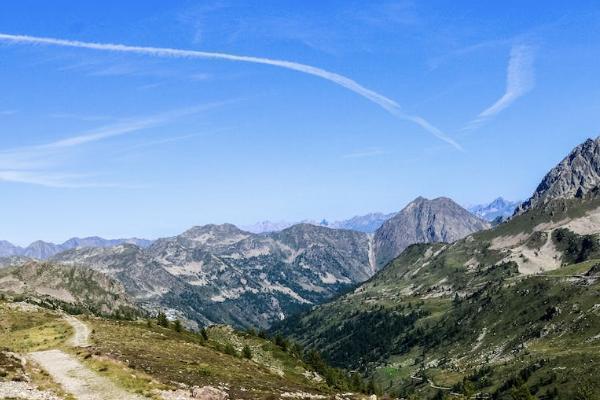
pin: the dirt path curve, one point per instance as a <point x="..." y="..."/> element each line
<point x="82" y="332"/>
<point x="77" y="379"/>
<point x="73" y="376"/>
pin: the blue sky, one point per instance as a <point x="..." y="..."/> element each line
<point x="469" y="100"/>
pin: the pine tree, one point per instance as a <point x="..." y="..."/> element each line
<point x="177" y="326"/>
<point x="204" y="334"/>
<point x="161" y="319"/>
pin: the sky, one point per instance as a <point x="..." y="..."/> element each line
<point x="123" y="119"/>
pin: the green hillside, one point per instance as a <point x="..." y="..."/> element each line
<point x="476" y="316"/>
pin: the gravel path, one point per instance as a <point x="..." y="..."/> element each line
<point x="82" y="332"/>
<point x="73" y="376"/>
<point x="77" y="379"/>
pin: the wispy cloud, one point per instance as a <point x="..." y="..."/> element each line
<point x="80" y="117"/>
<point x="364" y="153"/>
<point x="52" y="180"/>
<point x="38" y="164"/>
<point x="8" y="112"/>
<point x="384" y="102"/>
<point x="128" y="126"/>
<point x="174" y="139"/>
<point x="520" y="80"/>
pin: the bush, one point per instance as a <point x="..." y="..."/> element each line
<point x="281" y="342"/>
<point x="177" y="326"/>
<point x="246" y="352"/>
<point x="204" y="334"/>
<point x="161" y="320"/>
<point x="229" y="349"/>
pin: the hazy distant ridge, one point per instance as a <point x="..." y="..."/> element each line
<point x="43" y="250"/>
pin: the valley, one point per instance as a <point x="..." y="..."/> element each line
<point x="436" y="303"/>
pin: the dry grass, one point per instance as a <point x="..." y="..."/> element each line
<point x="181" y="357"/>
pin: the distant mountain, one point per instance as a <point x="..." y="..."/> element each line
<point x="498" y="208"/>
<point x="574" y="177"/>
<point x="267" y="226"/>
<point x="424" y="221"/>
<point x="8" y="249"/>
<point x="361" y="223"/>
<point x="368" y="223"/>
<point x="43" y="250"/>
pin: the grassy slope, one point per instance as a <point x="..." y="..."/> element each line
<point x="440" y="312"/>
<point x="169" y="356"/>
<point x="143" y="357"/>
<point x="26" y="331"/>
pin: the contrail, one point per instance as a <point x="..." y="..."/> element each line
<point x="386" y="103"/>
<point x="520" y="79"/>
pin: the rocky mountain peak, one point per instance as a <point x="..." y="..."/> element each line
<point x="498" y="210"/>
<point x="575" y="176"/>
<point x="424" y="221"/>
<point x="214" y="233"/>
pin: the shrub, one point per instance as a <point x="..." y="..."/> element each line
<point x="246" y="352"/>
<point x="229" y="349"/>
<point x="204" y="334"/>
<point x="161" y="319"/>
<point x="177" y="326"/>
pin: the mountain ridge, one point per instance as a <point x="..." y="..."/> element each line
<point x="223" y="274"/>
<point x="42" y="250"/>
<point x="575" y="176"/>
<point x="367" y="223"/>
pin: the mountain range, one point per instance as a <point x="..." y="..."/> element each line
<point x="222" y="274"/>
<point x="367" y="223"/>
<point x="43" y="250"/>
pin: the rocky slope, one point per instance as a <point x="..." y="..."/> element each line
<point x="491" y="313"/>
<point x="424" y="221"/>
<point x="74" y="288"/>
<point x="43" y="250"/>
<point x="219" y="273"/>
<point x="575" y="176"/>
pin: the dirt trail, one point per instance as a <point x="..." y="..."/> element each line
<point x="77" y="379"/>
<point x="73" y="376"/>
<point x="82" y="332"/>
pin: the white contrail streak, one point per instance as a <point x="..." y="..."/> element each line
<point x="386" y="103"/>
<point x="520" y="79"/>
